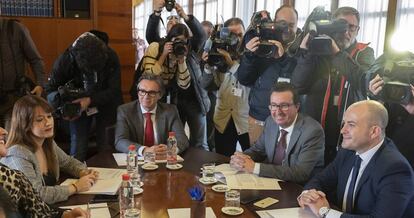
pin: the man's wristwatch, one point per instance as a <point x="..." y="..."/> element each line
<point x="323" y="211"/>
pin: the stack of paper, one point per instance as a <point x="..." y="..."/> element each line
<point x="97" y="210"/>
<point x="295" y="212"/>
<point x="185" y="212"/>
<point x="120" y="159"/>
<point x="241" y="180"/>
<point x="108" y="182"/>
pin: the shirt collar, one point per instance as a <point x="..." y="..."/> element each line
<point x="145" y="111"/>
<point x="290" y="128"/>
<point x="366" y="156"/>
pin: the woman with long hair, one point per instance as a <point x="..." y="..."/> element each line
<point x="167" y="58"/>
<point x="23" y="199"/>
<point x="32" y="150"/>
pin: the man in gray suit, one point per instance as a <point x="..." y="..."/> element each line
<point x="133" y="127"/>
<point x="291" y="147"/>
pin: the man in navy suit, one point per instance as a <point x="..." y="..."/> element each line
<point x="369" y="177"/>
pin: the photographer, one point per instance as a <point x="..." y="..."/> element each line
<point x="261" y="73"/>
<point x="152" y="32"/>
<point x="85" y="84"/>
<point x="17" y="48"/>
<point x="179" y="68"/>
<point x="332" y="82"/>
<point x="232" y="109"/>
<point x="401" y="114"/>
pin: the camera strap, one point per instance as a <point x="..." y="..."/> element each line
<point x="358" y="47"/>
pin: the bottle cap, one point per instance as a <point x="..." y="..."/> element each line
<point x="125" y="176"/>
<point x="171" y="134"/>
<point x="131" y="147"/>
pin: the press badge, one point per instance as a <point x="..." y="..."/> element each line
<point x="283" y="79"/>
<point x="237" y="91"/>
<point x="91" y="111"/>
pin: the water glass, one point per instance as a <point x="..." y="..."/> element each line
<point x="232" y="198"/>
<point x="208" y="172"/>
<point x="149" y="157"/>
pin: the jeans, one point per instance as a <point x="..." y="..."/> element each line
<point x="80" y="132"/>
<point x="190" y="112"/>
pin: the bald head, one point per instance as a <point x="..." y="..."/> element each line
<point x="375" y="112"/>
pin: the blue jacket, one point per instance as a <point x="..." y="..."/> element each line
<point x="385" y="188"/>
<point x="260" y="74"/>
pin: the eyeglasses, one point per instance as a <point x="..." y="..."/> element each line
<point x="353" y="28"/>
<point x="283" y="107"/>
<point x="142" y="93"/>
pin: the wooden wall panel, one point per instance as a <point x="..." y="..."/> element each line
<point x="115" y="18"/>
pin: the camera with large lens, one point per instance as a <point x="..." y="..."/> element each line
<point x="266" y="30"/>
<point x="397" y="71"/>
<point x="179" y="47"/>
<point x="68" y="93"/>
<point x="169" y="4"/>
<point x="222" y="38"/>
<point x="321" y="32"/>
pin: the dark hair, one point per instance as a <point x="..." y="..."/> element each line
<point x="101" y="35"/>
<point x="207" y="23"/>
<point x="234" y="21"/>
<point x="90" y="52"/>
<point x="287" y="6"/>
<point x="286" y="87"/>
<point x="154" y="78"/>
<point x="177" y="30"/>
<point x="346" y="11"/>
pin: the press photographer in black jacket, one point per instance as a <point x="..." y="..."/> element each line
<point x="85" y="84"/>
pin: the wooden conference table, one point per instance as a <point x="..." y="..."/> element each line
<point x="164" y="189"/>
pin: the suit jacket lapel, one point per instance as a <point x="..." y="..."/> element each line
<point x="294" y="137"/>
<point x="274" y="135"/>
<point x="368" y="169"/>
<point x="139" y="125"/>
<point x="159" y="120"/>
<point x="343" y="177"/>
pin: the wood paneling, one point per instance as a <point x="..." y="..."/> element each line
<point x="115" y="18"/>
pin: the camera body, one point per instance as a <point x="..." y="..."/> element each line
<point x="397" y="79"/>
<point x="169" y="5"/>
<point x="221" y="39"/>
<point x="179" y="47"/>
<point x="397" y="71"/>
<point x="68" y="93"/>
<point x="267" y="30"/>
<point x="319" y="30"/>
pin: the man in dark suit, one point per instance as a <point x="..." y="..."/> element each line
<point x="146" y="122"/>
<point x="291" y="146"/>
<point x="369" y="177"/>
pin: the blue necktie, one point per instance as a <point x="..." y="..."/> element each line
<point x="352" y="184"/>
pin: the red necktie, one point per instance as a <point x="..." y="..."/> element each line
<point x="280" y="148"/>
<point x="149" y="131"/>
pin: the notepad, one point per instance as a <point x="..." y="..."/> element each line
<point x="286" y="213"/>
<point x="185" y="212"/>
<point x="97" y="210"/>
<point x="120" y="159"/>
<point x="108" y="182"/>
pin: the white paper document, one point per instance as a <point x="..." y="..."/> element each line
<point x="251" y="181"/>
<point x="97" y="210"/>
<point x="295" y="212"/>
<point x="225" y="169"/>
<point x="120" y="159"/>
<point x="185" y="213"/>
<point x="108" y="182"/>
